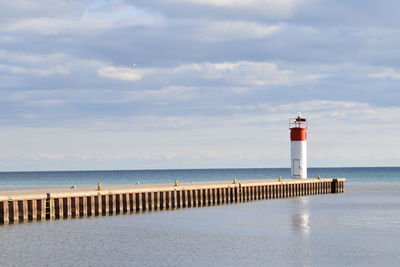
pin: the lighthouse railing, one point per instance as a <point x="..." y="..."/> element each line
<point x="298" y="123"/>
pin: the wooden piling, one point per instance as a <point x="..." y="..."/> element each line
<point x="74" y="207"/>
<point x="167" y="197"/>
<point x="179" y="199"/>
<point x="105" y="204"/>
<point x="4" y="212"/>
<point x="118" y="203"/>
<point x="113" y="204"/>
<point x="156" y="199"/>
<point x="172" y="199"/>
<point x="33" y="210"/>
<point x="194" y="198"/>
<point x="163" y="205"/>
<point x="67" y="207"/>
<point x="22" y="206"/>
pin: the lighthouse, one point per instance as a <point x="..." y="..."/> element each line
<point x="298" y="146"/>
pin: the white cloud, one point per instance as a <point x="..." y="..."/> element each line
<point x="146" y="122"/>
<point x="316" y="105"/>
<point x="48" y="102"/>
<point x="239" y="73"/>
<point x="168" y="156"/>
<point x="121" y="73"/>
<point x="387" y="73"/>
<point x="31" y="59"/>
<point x="43" y="8"/>
<point x="29" y="116"/>
<point x="352" y="69"/>
<point x="257" y="135"/>
<point x="64" y="157"/>
<point x="175" y="92"/>
<point x="218" y="78"/>
<point x="247" y="73"/>
<point x="30" y="64"/>
<point x="84" y="22"/>
<point x="319" y="111"/>
<point x="220" y="31"/>
<point x="34" y="71"/>
<point x="270" y="8"/>
<point x="324" y="110"/>
<point x="33" y="64"/>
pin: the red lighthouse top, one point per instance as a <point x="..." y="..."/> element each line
<point x="298" y="128"/>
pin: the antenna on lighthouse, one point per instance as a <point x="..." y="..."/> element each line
<point x="298" y="146"/>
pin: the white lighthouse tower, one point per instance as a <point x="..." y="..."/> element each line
<point x="298" y="145"/>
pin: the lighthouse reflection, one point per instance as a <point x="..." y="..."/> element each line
<point x="301" y="218"/>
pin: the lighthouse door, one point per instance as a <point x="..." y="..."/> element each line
<point x="296" y="167"/>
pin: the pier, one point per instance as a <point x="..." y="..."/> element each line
<point x="65" y="203"/>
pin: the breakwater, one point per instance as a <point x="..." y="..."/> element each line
<point x="64" y="203"/>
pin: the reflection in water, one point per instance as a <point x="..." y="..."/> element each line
<point x="261" y="233"/>
<point x="301" y="226"/>
<point x="300" y="219"/>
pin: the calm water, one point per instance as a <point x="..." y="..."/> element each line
<point x="359" y="228"/>
<point x="23" y="180"/>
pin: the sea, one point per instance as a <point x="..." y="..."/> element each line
<point x="360" y="227"/>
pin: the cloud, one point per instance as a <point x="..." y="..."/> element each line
<point x="44" y="8"/>
<point x="326" y="110"/>
<point x="217" y="81"/>
<point x="319" y="112"/>
<point x="120" y="73"/>
<point x="267" y="8"/>
<point x="60" y="157"/>
<point x="387" y="73"/>
<point x="107" y="18"/>
<point x="222" y="31"/>
<point x="238" y="73"/>
<point x="32" y="59"/>
<point x="318" y="105"/>
<point x="17" y="64"/>
<point x="52" y="157"/>
<point x="34" y="71"/>
<point x="284" y="4"/>
<point x="245" y="73"/>
<point x="176" y="92"/>
<point x="148" y="122"/>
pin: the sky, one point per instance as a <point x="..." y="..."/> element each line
<point x="179" y="84"/>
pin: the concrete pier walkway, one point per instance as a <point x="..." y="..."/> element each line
<point x="62" y="203"/>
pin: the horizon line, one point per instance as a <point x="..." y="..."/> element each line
<point x="188" y="169"/>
